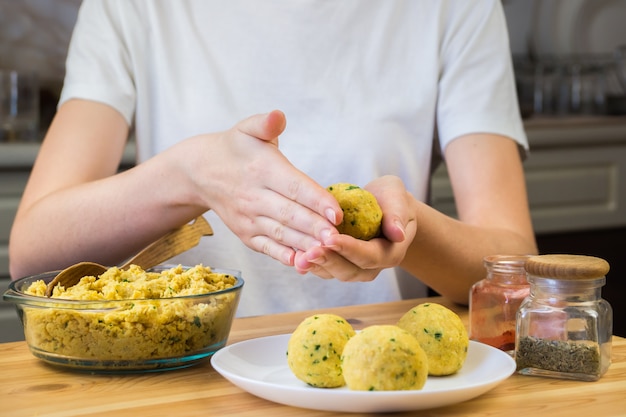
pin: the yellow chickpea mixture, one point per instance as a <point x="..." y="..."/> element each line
<point x="146" y="323"/>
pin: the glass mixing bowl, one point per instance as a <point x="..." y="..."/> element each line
<point x="128" y="335"/>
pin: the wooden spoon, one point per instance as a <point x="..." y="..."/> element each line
<point x="168" y="246"/>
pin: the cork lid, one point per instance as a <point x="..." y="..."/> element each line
<point x="567" y="266"/>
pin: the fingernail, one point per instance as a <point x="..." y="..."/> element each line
<point x="317" y="260"/>
<point x="330" y="215"/>
<point x="400" y="227"/>
<point x="324" y="234"/>
<point x="289" y="258"/>
<point x="314" y="244"/>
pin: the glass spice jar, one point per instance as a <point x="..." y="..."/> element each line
<point x="564" y="327"/>
<point x="494" y="301"/>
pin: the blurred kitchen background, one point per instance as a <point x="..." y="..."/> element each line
<point x="570" y="73"/>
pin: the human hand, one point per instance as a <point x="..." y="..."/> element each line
<point x="269" y="204"/>
<point x="348" y="259"/>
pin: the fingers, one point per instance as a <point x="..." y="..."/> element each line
<point x="265" y="200"/>
<point x="292" y="218"/>
<point x="348" y="259"/>
<point x="396" y="204"/>
<point x="280" y="241"/>
<point x="300" y="192"/>
<point x="281" y="253"/>
<point x="328" y="264"/>
<point x="264" y="126"/>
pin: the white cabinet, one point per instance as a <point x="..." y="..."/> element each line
<point x="15" y="164"/>
<point x="11" y="185"/>
<point x="575" y="173"/>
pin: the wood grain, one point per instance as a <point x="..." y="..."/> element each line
<point x="568" y="267"/>
<point x="29" y="387"/>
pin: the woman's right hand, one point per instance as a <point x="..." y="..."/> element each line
<point x="241" y="174"/>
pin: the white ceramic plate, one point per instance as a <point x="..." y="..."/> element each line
<point x="259" y="366"/>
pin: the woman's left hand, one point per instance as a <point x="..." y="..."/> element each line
<point x="348" y="259"/>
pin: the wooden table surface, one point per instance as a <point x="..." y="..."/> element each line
<point x="29" y="387"/>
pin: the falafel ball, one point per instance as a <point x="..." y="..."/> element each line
<point x="441" y="334"/>
<point x="362" y="216"/>
<point x="384" y="358"/>
<point x="315" y="347"/>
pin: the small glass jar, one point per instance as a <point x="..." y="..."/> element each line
<point x="564" y="327"/>
<point x="494" y="301"/>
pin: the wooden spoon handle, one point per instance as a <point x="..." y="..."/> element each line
<point x="172" y="244"/>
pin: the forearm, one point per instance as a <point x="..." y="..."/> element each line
<point x="446" y="254"/>
<point x="105" y="220"/>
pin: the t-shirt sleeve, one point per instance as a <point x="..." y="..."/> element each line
<point x="476" y="85"/>
<point x="98" y="65"/>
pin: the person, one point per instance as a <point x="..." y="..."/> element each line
<point x="246" y="111"/>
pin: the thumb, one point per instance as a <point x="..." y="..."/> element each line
<point x="266" y="126"/>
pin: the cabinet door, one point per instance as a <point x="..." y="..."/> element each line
<point x="569" y="189"/>
<point x="12" y="185"/>
<point x="8" y="207"/>
<point x="11" y="328"/>
<point x="577" y="189"/>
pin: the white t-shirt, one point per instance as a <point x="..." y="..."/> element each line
<point x="363" y="84"/>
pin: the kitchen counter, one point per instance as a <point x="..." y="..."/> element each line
<point x="29" y="387"/>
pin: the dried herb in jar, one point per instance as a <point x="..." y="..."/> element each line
<point x="558" y="355"/>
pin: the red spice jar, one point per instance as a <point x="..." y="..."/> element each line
<point x="494" y="301"/>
